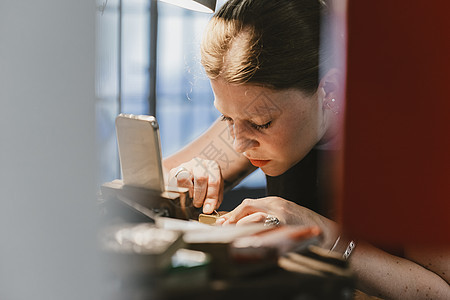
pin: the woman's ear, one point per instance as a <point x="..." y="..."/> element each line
<point x="330" y="91"/>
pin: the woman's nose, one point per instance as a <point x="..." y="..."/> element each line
<point x="243" y="139"/>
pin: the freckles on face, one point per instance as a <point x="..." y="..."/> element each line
<point x="274" y="129"/>
<point x="289" y="141"/>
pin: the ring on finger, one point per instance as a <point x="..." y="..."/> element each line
<point x="181" y="169"/>
<point x="271" y="221"/>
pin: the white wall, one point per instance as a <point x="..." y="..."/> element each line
<point x="47" y="152"/>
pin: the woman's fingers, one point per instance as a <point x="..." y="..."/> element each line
<point x="224" y="218"/>
<point x="256" y="211"/>
<point x="204" y="180"/>
<point x="182" y="177"/>
<point x="215" y="188"/>
<point x="247" y="207"/>
<point x="200" y="184"/>
<point x="231" y="218"/>
<point x="258" y="217"/>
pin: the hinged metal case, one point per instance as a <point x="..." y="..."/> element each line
<point x="140" y="151"/>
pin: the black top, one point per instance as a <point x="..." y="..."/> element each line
<point x="308" y="183"/>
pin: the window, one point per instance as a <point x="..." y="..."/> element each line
<point x="184" y="107"/>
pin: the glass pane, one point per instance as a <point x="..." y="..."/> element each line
<point x="135" y="56"/>
<point x="184" y="97"/>
<point x="107" y="89"/>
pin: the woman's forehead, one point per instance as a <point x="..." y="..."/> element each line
<point x="252" y="99"/>
<point x="248" y="98"/>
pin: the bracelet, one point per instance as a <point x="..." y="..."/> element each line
<point x="347" y="251"/>
<point x="335" y="244"/>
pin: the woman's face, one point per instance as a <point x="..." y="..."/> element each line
<point x="273" y="129"/>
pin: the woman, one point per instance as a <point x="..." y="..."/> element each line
<point x="282" y="114"/>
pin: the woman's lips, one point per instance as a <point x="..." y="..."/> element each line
<point x="259" y="163"/>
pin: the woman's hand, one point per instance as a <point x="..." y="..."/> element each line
<point x="204" y="180"/>
<point x="257" y="210"/>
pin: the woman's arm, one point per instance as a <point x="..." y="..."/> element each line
<point x="212" y="164"/>
<point x="423" y="274"/>
<point x="436" y="259"/>
<point x="390" y="277"/>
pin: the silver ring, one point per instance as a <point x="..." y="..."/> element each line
<point x="181" y="169"/>
<point x="271" y="221"/>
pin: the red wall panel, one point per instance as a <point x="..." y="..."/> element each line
<point x="396" y="186"/>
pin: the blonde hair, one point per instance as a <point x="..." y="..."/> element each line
<point x="265" y="42"/>
<point x="228" y="51"/>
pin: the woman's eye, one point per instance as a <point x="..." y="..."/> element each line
<point x="263" y="126"/>
<point x="226" y="119"/>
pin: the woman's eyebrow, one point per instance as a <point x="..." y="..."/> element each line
<point x="264" y="113"/>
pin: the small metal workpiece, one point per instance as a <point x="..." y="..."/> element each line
<point x="210" y="219"/>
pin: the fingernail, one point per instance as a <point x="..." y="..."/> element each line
<point x="207" y="208"/>
<point x="220" y="221"/>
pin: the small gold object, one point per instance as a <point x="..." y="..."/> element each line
<point x="210" y="219"/>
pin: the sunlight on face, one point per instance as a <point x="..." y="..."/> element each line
<point x="273" y="129"/>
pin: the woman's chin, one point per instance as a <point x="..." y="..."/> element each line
<point x="273" y="170"/>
